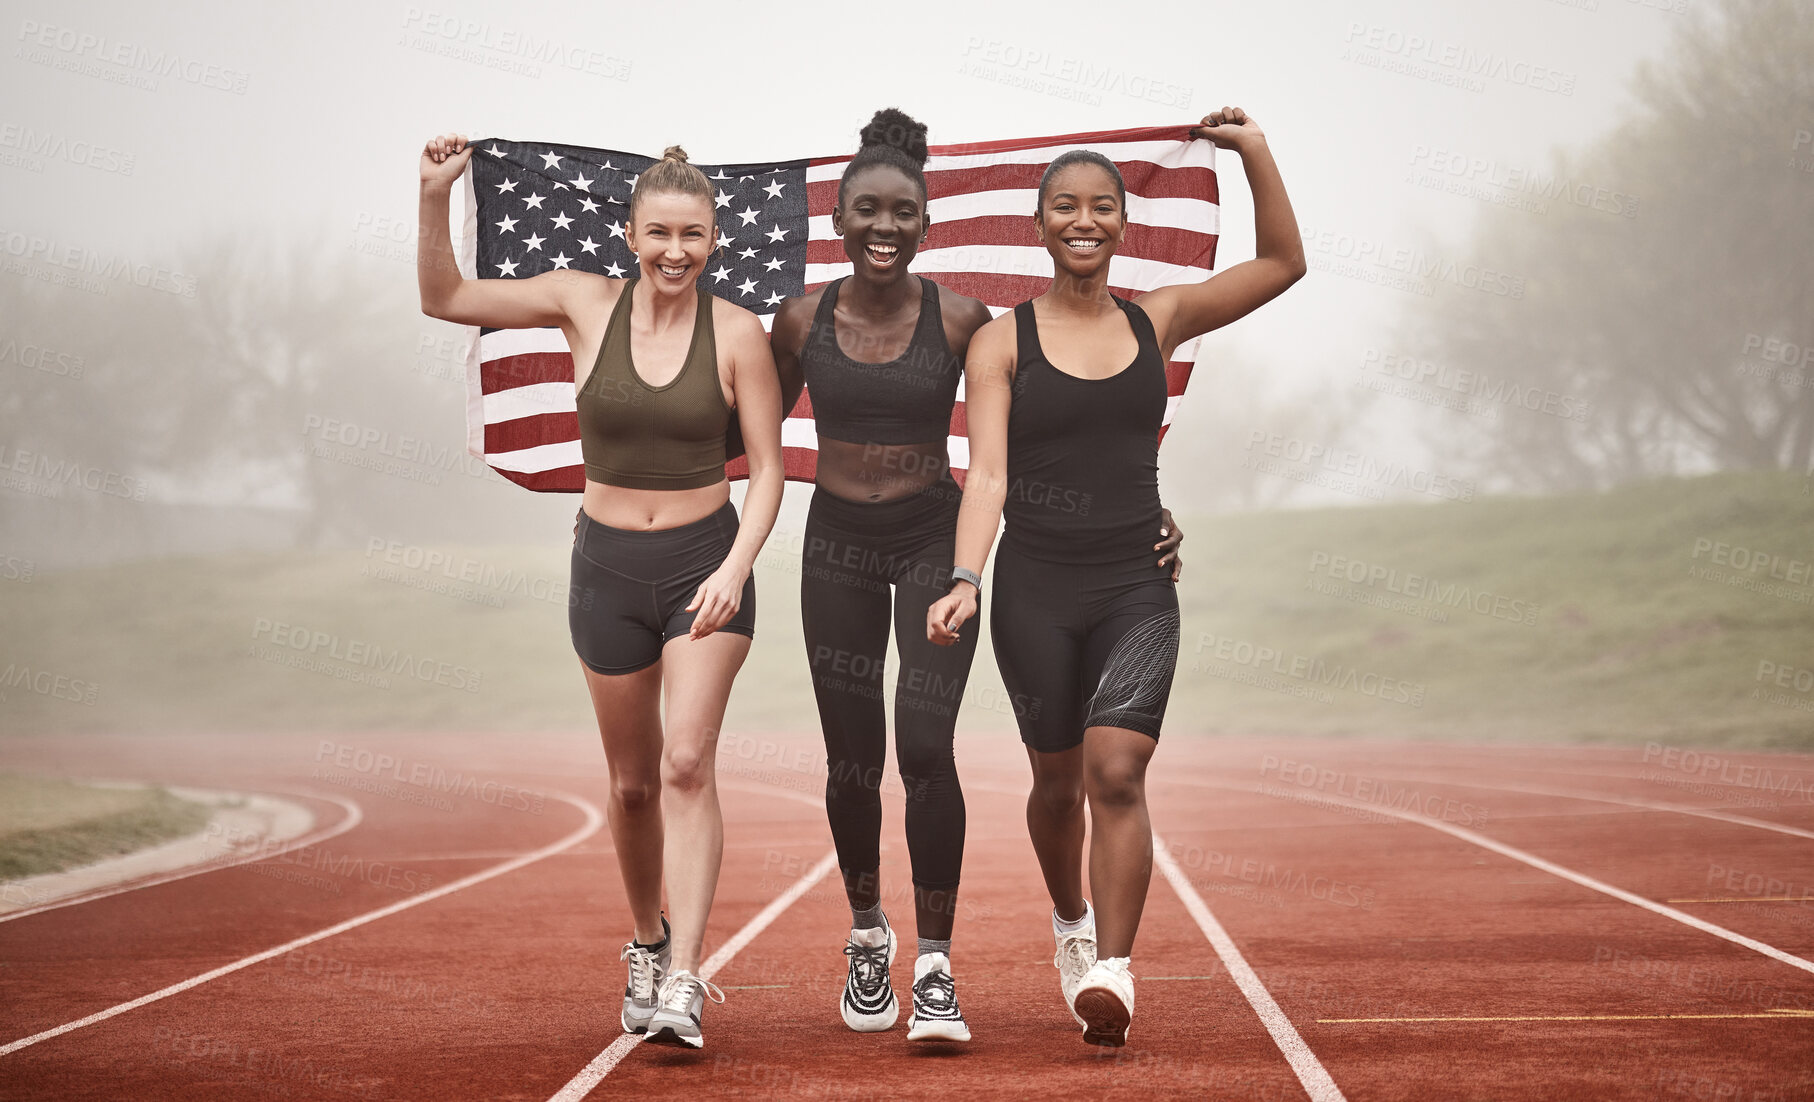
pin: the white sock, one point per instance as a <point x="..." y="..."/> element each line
<point x="1062" y="926"/>
<point x="1121" y="963"/>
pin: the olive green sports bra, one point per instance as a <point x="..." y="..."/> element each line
<point x="645" y="437"/>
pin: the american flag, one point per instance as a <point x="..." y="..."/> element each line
<point x="536" y="206"/>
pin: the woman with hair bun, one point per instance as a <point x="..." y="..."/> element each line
<point x="880" y="352"/>
<point x="1067" y="394"/>
<point x="662" y="604"/>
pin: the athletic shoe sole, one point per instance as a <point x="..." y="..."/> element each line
<point x="1105" y="1017"/>
<point x="666" y="1035"/>
<point x="939" y="1031"/>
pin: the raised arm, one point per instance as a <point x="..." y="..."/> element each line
<point x="988" y="382"/>
<point x="502" y="303"/>
<point x="1188" y="310"/>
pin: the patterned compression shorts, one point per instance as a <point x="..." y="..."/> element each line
<point x="1084" y="646"/>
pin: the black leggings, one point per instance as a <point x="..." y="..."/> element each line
<point x="853" y="552"/>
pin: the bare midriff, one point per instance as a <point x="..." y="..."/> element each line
<point x="878" y="472"/>
<point x="652" y="510"/>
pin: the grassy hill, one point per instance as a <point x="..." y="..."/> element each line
<point x="1593" y="617"/>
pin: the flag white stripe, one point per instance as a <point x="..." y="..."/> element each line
<point x="798" y="432"/>
<point x="1167" y="154"/>
<point x="959" y="448"/>
<point x="542" y="457"/>
<point x="521" y="342"/>
<point x="529" y="400"/>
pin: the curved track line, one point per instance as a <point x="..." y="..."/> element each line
<point x="353" y="817"/>
<point x="1650" y="805"/>
<point x="594" y="820"/>
<point x="1531" y="859"/>
<point x="1309" y="1069"/>
<point x="594" y="1073"/>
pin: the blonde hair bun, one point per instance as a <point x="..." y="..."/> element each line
<point x="674" y="153"/>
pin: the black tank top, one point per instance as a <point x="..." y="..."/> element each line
<point x="904" y="401"/>
<point x="668" y="437"/>
<point x="1083" y="454"/>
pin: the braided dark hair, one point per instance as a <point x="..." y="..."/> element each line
<point x="892" y="138"/>
<point x="1080" y="156"/>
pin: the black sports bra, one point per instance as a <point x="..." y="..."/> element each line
<point x="907" y="400"/>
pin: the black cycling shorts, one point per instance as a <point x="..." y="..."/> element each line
<point x="1083" y="646"/>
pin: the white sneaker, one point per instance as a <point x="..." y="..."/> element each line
<point x="676" y="1020"/>
<point x="935" y="1014"/>
<point x="869" y="1004"/>
<point x="1105" y="1002"/>
<point x="1076" y="955"/>
<point x="648" y="967"/>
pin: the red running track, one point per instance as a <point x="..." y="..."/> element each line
<point x="1328" y="920"/>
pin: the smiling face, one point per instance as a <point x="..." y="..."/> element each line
<point x="1081" y="220"/>
<point x="883" y="219"/>
<point x="672" y="235"/>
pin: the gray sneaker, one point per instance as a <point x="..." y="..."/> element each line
<point x="676" y="1020"/>
<point x="648" y="967"/>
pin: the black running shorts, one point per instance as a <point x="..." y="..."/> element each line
<point x="630" y="589"/>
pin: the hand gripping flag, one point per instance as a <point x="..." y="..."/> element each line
<point x="533" y="207"/>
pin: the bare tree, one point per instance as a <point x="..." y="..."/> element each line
<point x="1671" y="279"/>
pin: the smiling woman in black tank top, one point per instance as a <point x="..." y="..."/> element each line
<point x="1065" y="401"/>
<point x="661" y="601"/>
<point x="880" y="353"/>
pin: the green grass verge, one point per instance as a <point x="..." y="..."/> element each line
<point x="51" y="825"/>
<point x="1568" y="618"/>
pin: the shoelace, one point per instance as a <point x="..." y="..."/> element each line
<point x="642" y="971"/>
<point x="870" y="967"/>
<point x="1074" y="946"/>
<point x="677" y="992"/>
<point x="935" y="995"/>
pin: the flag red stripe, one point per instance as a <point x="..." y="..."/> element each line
<point x="525" y="369"/>
<point x="570" y="480"/>
<point x="530" y="432"/>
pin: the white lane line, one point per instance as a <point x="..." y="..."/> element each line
<point x="353" y="817"/>
<point x="594" y="1073"/>
<point x="594" y="820"/>
<point x="1648" y="805"/>
<point x="1535" y="862"/>
<point x="1309" y="1069"/>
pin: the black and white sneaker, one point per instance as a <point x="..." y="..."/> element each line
<point x="869" y="1004"/>
<point x="676" y="1020"/>
<point x="935" y="1014"/>
<point x="648" y="967"/>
